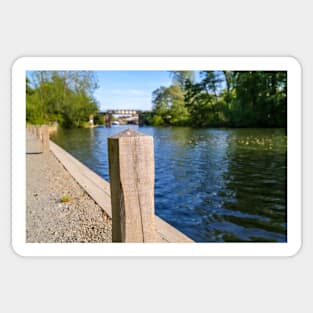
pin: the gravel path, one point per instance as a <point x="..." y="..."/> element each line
<point x="48" y="218"/>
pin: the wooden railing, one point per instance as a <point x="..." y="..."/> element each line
<point x="129" y="198"/>
<point x="41" y="132"/>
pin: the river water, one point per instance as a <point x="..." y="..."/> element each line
<point x="215" y="185"/>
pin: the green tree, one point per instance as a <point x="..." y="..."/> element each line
<point x="261" y="99"/>
<point x="34" y="110"/>
<point x="205" y="109"/>
<point x="169" y="106"/>
<point x="180" y="78"/>
<point x="62" y="96"/>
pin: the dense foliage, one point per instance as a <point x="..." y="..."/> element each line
<point x="222" y="98"/>
<point x="219" y="98"/>
<point x="65" y="97"/>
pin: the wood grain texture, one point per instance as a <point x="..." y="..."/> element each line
<point x="131" y="163"/>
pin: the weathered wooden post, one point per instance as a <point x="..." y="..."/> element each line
<point x="131" y="167"/>
<point x="37" y="131"/>
<point x="45" y="138"/>
<point x="32" y="129"/>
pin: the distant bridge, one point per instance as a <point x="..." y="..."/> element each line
<point x="126" y="112"/>
<point x="108" y="115"/>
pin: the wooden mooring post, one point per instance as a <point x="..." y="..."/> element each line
<point x="33" y="130"/>
<point x="37" y="132"/>
<point x="41" y="133"/>
<point x="131" y="167"/>
<point x="44" y="131"/>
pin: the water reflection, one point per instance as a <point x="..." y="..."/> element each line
<point x="212" y="184"/>
<point x="257" y="179"/>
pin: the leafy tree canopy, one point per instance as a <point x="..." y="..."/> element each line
<point x="222" y="98"/>
<point x="60" y="96"/>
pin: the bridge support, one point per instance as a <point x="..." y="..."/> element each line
<point x="140" y="119"/>
<point x="108" y="119"/>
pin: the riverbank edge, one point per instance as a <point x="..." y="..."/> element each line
<point x="99" y="190"/>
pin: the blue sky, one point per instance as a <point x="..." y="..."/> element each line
<point x="129" y="89"/>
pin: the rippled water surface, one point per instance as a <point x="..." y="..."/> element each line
<point x="212" y="184"/>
